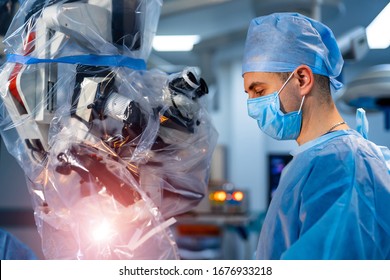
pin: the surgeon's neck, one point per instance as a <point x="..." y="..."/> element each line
<point x="318" y="119"/>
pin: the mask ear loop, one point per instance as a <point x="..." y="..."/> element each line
<point x="285" y="83"/>
<point x="300" y="107"/>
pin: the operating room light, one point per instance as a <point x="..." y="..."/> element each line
<point x="378" y="36"/>
<point x="166" y="43"/>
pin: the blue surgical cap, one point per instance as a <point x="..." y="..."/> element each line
<point x="281" y="42"/>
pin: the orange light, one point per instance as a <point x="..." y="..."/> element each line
<point x="163" y="119"/>
<point x="219" y="196"/>
<point x="238" y="196"/>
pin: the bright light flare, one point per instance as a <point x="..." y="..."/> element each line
<point x="102" y="232"/>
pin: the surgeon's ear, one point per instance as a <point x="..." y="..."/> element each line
<point x="306" y="79"/>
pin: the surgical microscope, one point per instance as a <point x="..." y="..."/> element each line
<point x="111" y="151"/>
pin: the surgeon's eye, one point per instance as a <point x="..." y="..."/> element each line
<point x="259" y="92"/>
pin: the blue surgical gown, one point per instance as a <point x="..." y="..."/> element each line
<point x="12" y="248"/>
<point x="332" y="202"/>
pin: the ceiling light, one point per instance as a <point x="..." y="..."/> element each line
<point x="182" y="43"/>
<point x="378" y="36"/>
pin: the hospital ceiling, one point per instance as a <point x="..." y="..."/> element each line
<point x="222" y="24"/>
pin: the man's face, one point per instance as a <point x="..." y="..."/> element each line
<point x="258" y="84"/>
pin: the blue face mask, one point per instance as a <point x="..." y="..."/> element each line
<point x="271" y="120"/>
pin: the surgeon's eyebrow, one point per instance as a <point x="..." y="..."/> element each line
<point x="254" y="84"/>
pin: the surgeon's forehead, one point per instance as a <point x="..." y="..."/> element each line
<point x="252" y="79"/>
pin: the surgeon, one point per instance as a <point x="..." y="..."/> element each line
<point x="333" y="198"/>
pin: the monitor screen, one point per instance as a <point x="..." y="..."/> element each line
<point x="276" y="163"/>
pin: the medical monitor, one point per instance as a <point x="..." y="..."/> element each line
<point x="276" y="163"/>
